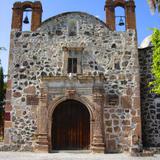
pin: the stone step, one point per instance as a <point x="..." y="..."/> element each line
<point x="147" y="153"/>
<point x="72" y="151"/>
<point x="144" y="153"/>
<point x="156" y="150"/>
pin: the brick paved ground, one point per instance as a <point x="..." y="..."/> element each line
<point x="70" y="156"/>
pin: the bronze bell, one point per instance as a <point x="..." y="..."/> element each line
<point x="26" y="20"/>
<point x="121" y="23"/>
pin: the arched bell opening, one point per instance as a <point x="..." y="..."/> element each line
<point x="26" y="15"/>
<point x="26" y="20"/>
<point x="120" y="19"/>
<point x="124" y="18"/>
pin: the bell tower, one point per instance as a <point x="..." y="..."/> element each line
<point x="129" y="7"/>
<point x="18" y="11"/>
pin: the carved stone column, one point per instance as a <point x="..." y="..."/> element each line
<point x="42" y="116"/>
<point x="98" y="135"/>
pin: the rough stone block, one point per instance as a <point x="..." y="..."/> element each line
<point x="116" y="122"/>
<point x="111" y="146"/>
<point x="121" y="77"/>
<point x="113" y="100"/>
<point x="136" y="102"/>
<point x="6" y="133"/>
<point x="8" y="124"/>
<point x="32" y="100"/>
<point x="107" y="115"/>
<point x="126" y="129"/>
<point x="126" y="122"/>
<point x="126" y="101"/>
<point x="9" y="84"/>
<point x="17" y="94"/>
<point x="117" y="129"/>
<point x="18" y="113"/>
<point x="133" y="112"/>
<point x="8" y="107"/>
<point x="129" y="91"/>
<point x="138" y="130"/>
<point x="7" y="116"/>
<point x="31" y="90"/>
<point x="8" y="94"/>
<point x="114" y="116"/>
<point x="109" y="130"/>
<point x="109" y="123"/>
<point x="136" y="120"/>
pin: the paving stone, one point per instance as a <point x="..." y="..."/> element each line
<point x="70" y="156"/>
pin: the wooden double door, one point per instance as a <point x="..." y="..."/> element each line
<point x="70" y="126"/>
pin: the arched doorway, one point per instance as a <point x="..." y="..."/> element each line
<point x="70" y="126"/>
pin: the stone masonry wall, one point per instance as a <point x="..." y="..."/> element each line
<point x="41" y="53"/>
<point x="150" y="102"/>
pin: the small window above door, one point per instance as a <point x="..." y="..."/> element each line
<point x="72" y="65"/>
<point x="72" y="60"/>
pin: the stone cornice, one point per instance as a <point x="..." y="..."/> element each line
<point x="80" y="77"/>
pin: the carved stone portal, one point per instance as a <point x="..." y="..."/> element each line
<point x="85" y="89"/>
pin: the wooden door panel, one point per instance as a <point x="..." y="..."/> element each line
<point x="71" y="126"/>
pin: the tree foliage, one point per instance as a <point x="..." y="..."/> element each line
<point x="2" y="96"/>
<point x="3" y="48"/>
<point x="156" y="61"/>
<point x="2" y="89"/>
<point x="154" y="4"/>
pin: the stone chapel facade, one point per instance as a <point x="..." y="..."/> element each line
<point x="74" y="82"/>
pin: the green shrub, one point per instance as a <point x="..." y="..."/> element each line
<point x="155" y="84"/>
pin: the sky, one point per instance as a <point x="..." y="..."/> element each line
<point x="145" y="20"/>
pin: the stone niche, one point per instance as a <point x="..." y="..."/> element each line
<point x="85" y="89"/>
